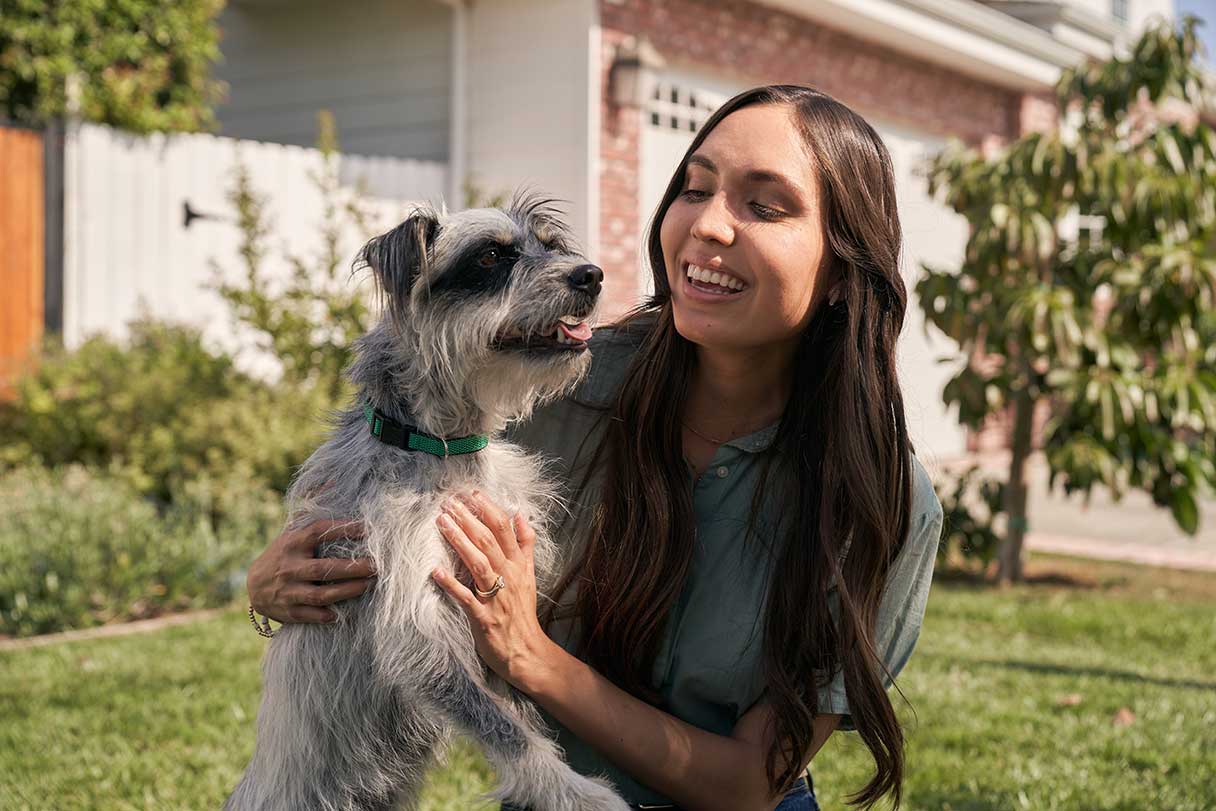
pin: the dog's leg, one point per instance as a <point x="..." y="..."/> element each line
<point x="448" y="676"/>
<point x="331" y="736"/>
<point x="531" y="771"/>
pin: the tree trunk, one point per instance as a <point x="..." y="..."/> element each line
<point x="1009" y="559"/>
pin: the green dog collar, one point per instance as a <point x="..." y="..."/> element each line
<point x="409" y="438"/>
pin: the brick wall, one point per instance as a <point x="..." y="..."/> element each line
<point x="619" y="221"/>
<point x="759" y="45"/>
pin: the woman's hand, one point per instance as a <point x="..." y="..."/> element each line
<point x="289" y="583"/>
<point x="492" y="545"/>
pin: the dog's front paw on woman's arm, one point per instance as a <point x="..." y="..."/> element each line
<point x="288" y="583"/>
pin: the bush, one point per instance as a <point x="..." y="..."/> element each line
<point x="79" y="548"/>
<point x="973" y="505"/>
<point x="160" y="410"/>
<point x="141" y="65"/>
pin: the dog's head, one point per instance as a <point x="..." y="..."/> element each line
<point x="494" y="302"/>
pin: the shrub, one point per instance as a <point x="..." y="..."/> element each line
<point x="972" y="505"/>
<point x="159" y="410"/>
<point x="310" y="320"/>
<point x="140" y="64"/>
<point x="79" y="548"/>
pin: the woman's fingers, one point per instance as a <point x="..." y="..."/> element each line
<point x="475" y="527"/>
<point x="308" y="613"/>
<point x="525" y="534"/>
<point x="495" y="520"/>
<point x="460" y="593"/>
<point x="310" y="536"/>
<point x="475" y="560"/>
<point x="328" y="594"/>
<point x="336" y="569"/>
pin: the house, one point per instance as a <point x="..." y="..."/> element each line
<point x="595" y="101"/>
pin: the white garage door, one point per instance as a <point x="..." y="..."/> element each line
<point x="680" y="102"/>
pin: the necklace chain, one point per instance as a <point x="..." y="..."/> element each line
<point x="698" y="433"/>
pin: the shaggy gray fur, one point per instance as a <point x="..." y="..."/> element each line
<point x="354" y="713"/>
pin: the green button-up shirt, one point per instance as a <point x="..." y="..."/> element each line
<point x="708" y="666"/>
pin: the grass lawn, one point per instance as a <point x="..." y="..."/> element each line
<point x="1092" y="688"/>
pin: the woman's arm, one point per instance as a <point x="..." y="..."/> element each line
<point x="696" y="769"/>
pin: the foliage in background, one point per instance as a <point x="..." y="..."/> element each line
<point x="168" y="462"/>
<point x="81" y="548"/>
<point x="1113" y="325"/>
<point x="159" y="410"/>
<point x="477" y="196"/>
<point x="309" y="322"/>
<point x="971" y="505"/>
<point x="142" y="65"/>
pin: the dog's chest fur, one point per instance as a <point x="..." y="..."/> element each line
<point x="398" y="495"/>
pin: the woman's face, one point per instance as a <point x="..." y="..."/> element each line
<point x="747" y="220"/>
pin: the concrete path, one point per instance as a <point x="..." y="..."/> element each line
<point x="105" y="631"/>
<point x="1132" y="530"/>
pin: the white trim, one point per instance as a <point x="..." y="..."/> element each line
<point x="458" y="124"/>
<point x="965" y="36"/>
<point x="595" y="47"/>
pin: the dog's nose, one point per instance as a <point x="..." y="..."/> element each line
<point x="587" y="278"/>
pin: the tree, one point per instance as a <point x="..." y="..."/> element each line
<point x="1113" y="325"/>
<point x="310" y="321"/>
<point x="143" y="65"/>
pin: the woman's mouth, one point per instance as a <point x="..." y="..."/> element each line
<point x="713" y="282"/>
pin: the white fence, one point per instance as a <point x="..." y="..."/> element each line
<point x="128" y="250"/>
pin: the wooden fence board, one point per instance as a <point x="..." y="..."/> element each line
<point x="21" y="250"/>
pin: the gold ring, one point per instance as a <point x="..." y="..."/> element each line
<point x="499" y="585"/>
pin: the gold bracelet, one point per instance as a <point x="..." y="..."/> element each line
<point x="262" y="628"/>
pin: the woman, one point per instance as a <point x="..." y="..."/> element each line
<point x="752" y="541"/>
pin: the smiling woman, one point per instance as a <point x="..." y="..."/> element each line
<point x="751" y="539"/>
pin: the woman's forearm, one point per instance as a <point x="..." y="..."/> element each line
<point x="698" y="770"/>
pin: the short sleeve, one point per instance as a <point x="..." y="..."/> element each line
<point x="907" y="591"/>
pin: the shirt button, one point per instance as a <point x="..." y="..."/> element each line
<point x="723" y="472"/>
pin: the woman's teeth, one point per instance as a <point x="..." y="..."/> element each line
<point x="714" y="277"/>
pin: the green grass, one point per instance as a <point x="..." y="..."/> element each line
<point x="1013" y="699"/>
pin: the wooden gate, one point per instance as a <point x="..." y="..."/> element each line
<point x="21" y="250"/>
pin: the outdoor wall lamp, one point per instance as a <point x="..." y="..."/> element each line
<point x="632" y="73"/>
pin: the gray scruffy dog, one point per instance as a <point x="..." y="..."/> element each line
<point x="484" y="319"/>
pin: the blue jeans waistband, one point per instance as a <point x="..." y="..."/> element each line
<point x="800" y="790"/>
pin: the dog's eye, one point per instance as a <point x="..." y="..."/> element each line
<point x="490" y="258"/>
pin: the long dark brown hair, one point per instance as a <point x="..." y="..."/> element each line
<point x="840" y="462"/>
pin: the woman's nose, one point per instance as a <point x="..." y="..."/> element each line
<point x="714" y="222"/>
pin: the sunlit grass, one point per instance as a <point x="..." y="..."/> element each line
<point x="1017" y="700"/>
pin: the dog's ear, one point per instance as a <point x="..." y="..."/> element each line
<point x="398" y="257"/>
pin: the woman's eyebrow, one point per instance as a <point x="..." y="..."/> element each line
<point x="752" y="176"/>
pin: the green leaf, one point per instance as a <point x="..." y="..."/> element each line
<point x="1172" y="153"/>
<point x="1185" y="510"/>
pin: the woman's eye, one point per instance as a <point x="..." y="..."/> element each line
<point x="694" y="194"/>
<point x="767" y="213"/>
<point x="488" y="259"/>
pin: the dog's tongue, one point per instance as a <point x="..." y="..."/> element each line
<point x="580" y="333"/>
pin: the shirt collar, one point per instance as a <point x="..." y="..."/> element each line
<point x="756" y="441"/>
